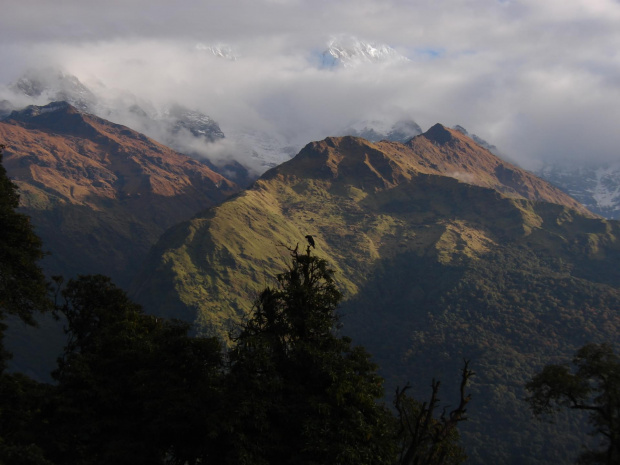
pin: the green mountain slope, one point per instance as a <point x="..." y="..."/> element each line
<point x="443" y="251"/>
<point x="361" y="202"/>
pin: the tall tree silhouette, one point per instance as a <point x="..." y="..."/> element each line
<point x="302" y="394"/>
<point x="23" y="288"/>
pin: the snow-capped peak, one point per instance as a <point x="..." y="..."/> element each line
<point x="594" y="184"/>
<point x="48" y="85"/>
<point x="349" y="52"/>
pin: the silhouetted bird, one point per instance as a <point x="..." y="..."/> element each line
<point x="310" y="240"/>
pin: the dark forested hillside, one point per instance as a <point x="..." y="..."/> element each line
<point x="510" y="313"/>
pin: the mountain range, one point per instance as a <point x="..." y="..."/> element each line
<point x="49" y="84"/>
<point x="100" y="193"/>
<point x="349" y="52"/>
<point x="442" y="250"/>
<point x="249" y="152"/>
<point x="348" y="169"/>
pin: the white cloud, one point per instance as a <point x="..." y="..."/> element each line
<point x="539" y="79"/>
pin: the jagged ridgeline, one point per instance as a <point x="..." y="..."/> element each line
<point x="443" y="251"/>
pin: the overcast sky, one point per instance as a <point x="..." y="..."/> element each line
<point x="538" y="78"/>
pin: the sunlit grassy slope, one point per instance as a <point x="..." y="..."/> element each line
<point x="362" y="202"/>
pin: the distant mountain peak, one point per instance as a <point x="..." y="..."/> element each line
<point x="194" y="121"/>
<point x="439" y="134"/>
<point x="595" y="184"/>
<point x="349" y="51"/>
<point x="55" y="85"/>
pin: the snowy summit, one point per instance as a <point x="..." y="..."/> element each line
<point x="350" y="52"/>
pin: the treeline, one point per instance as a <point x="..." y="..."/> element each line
<point x="131" y="388"/>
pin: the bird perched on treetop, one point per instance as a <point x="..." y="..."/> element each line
<point x="310" y="240"/>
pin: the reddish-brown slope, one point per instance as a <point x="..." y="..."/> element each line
<point x="452" y="153"/>
<point x="439" y="151"/>
<point x="100" y="194"/>
<point x="82" y="159"/>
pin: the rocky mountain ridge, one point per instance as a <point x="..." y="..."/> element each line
<point x="84" y="178"/>
<point x="331" y="190"/>
<point x="439" y="151"/>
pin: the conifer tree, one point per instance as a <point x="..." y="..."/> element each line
<point x="132" y="388"/>
<point x="23" y="288"/>
<point x="300" y="393"/>
<point x="23" y="291"/>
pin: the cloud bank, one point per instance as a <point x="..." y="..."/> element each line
<point x="540" y="80"/>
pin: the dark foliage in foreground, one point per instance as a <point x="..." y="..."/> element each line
<point x="23" y="289"/>
<point x="594" y="387"/>
<point x="136" y="389"/>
